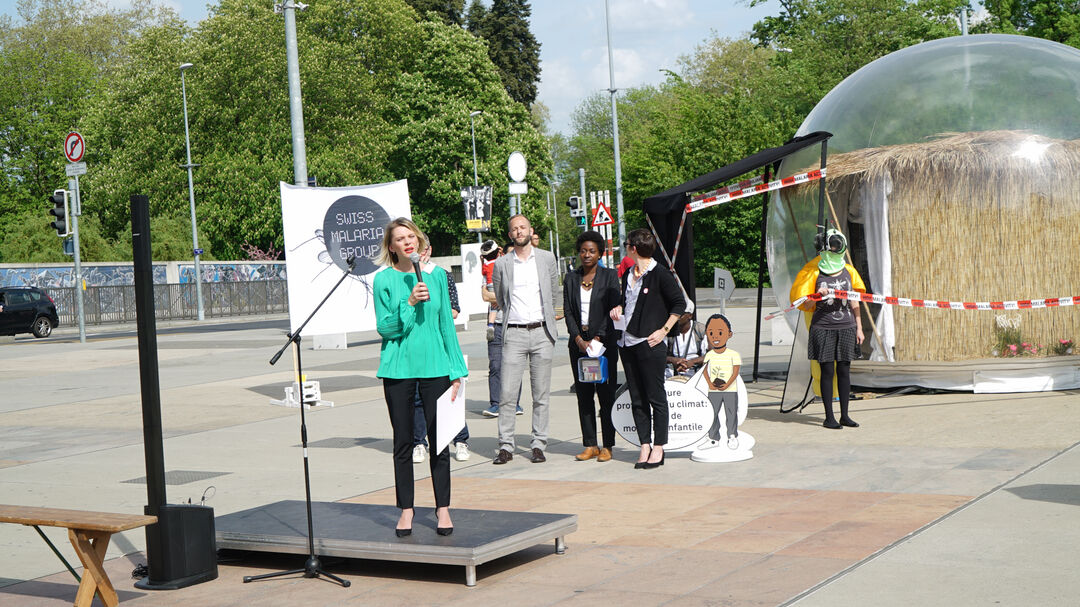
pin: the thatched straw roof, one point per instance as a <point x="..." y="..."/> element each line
<point x="979" y="151"/>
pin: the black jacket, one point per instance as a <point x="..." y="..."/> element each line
<point x="605" y="296"/>
<point x="660" y="297"/>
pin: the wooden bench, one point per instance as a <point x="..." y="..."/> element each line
<point x="89" y="533"/>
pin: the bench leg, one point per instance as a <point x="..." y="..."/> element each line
<point x="560" y="545"/>
<point x="91" y="547"/>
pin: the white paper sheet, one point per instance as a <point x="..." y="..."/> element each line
<point x="620" y="325"/>
<point x="595" y="349"/>
<point x="449" y="417"/>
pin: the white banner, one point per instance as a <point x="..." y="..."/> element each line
<point x="472" y="280"/>
<point x="323" y="226"/>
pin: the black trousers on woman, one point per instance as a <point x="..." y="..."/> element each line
<point x="399" y="402"/>
<point x="606" y="393"/>
<point x="644" y="369"/>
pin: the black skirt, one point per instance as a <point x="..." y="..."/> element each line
<point x="828" y="345"/>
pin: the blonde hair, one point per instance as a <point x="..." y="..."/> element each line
<point x="386" y="256"/>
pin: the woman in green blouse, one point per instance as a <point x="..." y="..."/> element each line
<point x="419" y="346"/>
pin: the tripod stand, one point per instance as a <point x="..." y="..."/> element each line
<point x="312" y="567"/>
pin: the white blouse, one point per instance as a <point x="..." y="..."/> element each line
<point x="586" y="301"/>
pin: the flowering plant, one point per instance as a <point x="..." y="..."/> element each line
<point x="1064" y="347"/>
<point x="1007" y="337"/>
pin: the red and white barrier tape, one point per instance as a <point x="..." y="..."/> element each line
<point x="710" y="199"/>
<point x="731" y="189"/>
<point x="1022" y="304"/>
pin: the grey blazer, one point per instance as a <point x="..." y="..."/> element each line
<point x="503" y="280"/>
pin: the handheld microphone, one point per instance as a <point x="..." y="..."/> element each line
<point x="414" y="257"/>
<point x="350" y="261"/>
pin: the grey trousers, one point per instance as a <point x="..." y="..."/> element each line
<point x="532" y="349"/>
<point x="729" y="402"/>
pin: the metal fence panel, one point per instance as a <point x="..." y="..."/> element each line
<point x="116" y="304"/>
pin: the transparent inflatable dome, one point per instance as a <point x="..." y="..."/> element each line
<point x="954" y="170"/>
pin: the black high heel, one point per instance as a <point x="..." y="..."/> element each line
<point x="643" y="464"/>
<point x="649" y="466"/>
<point x="403" y="532"/>
<point x="444" y="530"/>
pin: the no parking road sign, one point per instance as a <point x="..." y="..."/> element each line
<point x="74" y="147"/>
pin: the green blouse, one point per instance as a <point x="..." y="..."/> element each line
<point x="418" y="341"/>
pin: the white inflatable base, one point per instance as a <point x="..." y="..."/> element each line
<point x="721" y="454"/>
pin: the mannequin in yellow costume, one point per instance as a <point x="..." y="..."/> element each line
<point x="828" y="270"/>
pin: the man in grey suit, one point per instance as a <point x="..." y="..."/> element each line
<point x="526" y="283"/>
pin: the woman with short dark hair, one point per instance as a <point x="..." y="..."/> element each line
<point x="651" y="301"/>
<point x="589" y="294"/>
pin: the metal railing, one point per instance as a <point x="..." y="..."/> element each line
<point x="105" y="305"/>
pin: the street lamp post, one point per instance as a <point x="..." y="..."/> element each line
<point x="475" y="179"/>
<point x="191" y="198"/>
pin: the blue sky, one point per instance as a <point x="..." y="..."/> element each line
<point x="648" y="36"/>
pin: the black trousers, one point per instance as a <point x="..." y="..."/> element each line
<point x="399" y="402"/>
<point x="644" y="369"/>
<point x="604" y="391"/>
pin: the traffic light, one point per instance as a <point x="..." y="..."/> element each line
<point x="577" y="211"/>
<point x="59" y="200"/>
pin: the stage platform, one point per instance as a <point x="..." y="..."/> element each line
<point x="365" y="531"/>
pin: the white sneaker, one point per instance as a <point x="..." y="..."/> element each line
<point x="419" y="453"/>
<point x="708" y="444"/>
<point x="461" y="452"/>
<point x="733" y="442"/>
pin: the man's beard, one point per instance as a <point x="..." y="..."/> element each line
<point x="522" y="242"/>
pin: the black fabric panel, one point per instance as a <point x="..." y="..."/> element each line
<point x="674" y="200"/>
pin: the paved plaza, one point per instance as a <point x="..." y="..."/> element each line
<point x="938" y="499"/>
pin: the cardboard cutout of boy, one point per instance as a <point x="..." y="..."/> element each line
<point x="722" y="366"/>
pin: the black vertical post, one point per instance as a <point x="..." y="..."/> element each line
<point x="148" y="359"/>
<point x="821" y="190"/>
<point x="761" y="269"/>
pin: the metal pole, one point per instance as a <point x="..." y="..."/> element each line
<point x="191" y="199"/>
<point x="78" y="262"/>
<point x="581" y="178"/>
<point x="296" y="106"/>
<point x="615" y="130"/>
<point x="475" y="179"/>
<point x="472" y="128"/>
<point x="963" y="22"/>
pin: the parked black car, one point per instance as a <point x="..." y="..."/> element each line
<point x="27" y="310"/>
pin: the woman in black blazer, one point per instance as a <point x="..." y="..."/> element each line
<point x="652" y="302"/>
<point x="589" y="294"/>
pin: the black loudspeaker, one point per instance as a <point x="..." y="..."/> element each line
<point x="181" y="547"/>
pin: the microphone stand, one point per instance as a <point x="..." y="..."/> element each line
<point x="312" y="567"/>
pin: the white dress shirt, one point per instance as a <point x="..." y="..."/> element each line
<point x="525" y="305"/>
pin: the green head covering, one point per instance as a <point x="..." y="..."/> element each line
<point x="832" y="255"/>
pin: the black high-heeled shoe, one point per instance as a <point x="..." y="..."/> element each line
<point x="650" y="466"/>
<point x="403" y="532"/>
<point x="643" y="464"/>
<point x="444" y="530"/>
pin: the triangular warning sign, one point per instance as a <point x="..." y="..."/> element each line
<point x="601" y="216"/>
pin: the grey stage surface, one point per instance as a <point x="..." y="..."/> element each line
<point x="366" y="531"/>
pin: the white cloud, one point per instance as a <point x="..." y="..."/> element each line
<point x="631" y="69"/>
<point x="652" y="15"/>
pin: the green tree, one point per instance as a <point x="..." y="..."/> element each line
<point x="52" y="63"/>
<point x="385" y="97"/>
<point x="512" y="47"/>
<point x="1057" y="20"/>
<point x="452" y="12"/>
<point x="28" y="238"/>
<point x="475" y="16"/>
